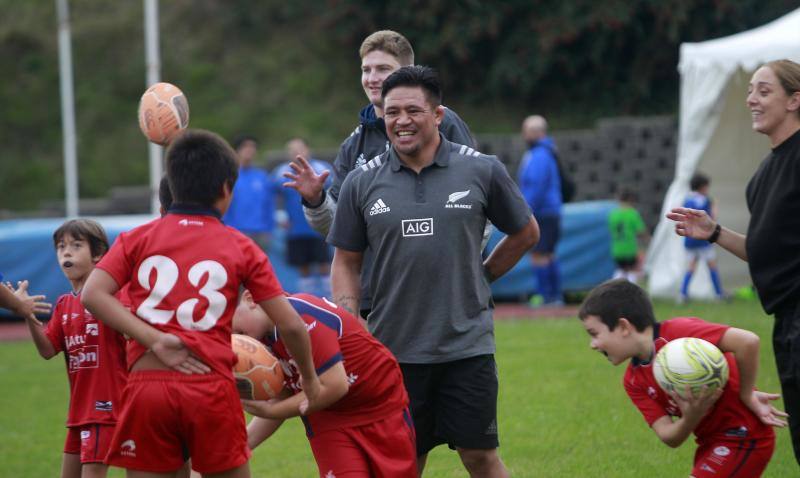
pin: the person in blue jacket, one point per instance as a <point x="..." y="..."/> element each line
<point x="252" y="210"/>
<point x="306" y="248"/>
<point x="540" y="184"/>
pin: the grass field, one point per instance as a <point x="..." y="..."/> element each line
<point x="562" y="412"/>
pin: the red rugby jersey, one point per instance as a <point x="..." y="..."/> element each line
<point x="95" y="358"/>
<point x="185" y="270"/>
<point x="376" y="382"/>
<point x="729" y="418"/>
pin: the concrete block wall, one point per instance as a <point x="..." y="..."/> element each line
<point x="633" y="153"/>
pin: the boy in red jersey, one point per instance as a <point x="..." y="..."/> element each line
<point x="185" y="270"/>
<point x="94" y="353"/>
<point x="732" y="426"/>
<point x="361" y="426"/>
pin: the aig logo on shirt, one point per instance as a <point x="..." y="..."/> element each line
<point x="418" y="227"/>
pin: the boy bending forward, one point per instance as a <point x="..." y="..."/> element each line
<point x="732" y="426"/>
<point x="361" y="426"/>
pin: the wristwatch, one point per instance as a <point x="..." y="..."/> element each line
<point x="715" y="235"/>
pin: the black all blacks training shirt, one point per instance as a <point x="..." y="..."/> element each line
<point x="773" y="236"/>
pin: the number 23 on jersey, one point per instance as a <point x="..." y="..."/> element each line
<point x="166" y="276"/>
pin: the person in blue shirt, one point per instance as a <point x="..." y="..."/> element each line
<point x="306" y="249"/>
<point x="253" y="207"/>
<point x="699" y="249"/>
<point x="540" y="184"/>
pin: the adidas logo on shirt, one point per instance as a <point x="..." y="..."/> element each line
<point x="360" y="161"/>
<point x="379" y="207"/>
<point x="466" y="150"/>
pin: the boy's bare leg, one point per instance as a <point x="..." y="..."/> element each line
<point x="94" y="470"/>
<point x="71" y="465"/>
<point x="186" y="471"/>
<point x="149" y="474"/>
<point x="242" y="471"/>
<point x="421" y="460"/>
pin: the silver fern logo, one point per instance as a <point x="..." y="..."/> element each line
<point x="453" y="198"/>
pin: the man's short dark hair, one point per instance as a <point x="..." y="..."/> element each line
<point x="616" y="299"/>
<point x="199" y="164"/>
<point x="241" y="139"/>
<point x="164" y="194"/>
<point x="424" y="77"/>
<point x="627" y="195"/>
<point x="86" y="230"/>
<point x="699" y="180"/>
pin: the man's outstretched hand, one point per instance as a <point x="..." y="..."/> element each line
<point x="30" y="304"/>
<point x="305" y="180"/>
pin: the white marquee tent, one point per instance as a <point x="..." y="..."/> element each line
<point x="715" y="137"/>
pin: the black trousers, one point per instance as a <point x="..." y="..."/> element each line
<point x="786" y="342"/>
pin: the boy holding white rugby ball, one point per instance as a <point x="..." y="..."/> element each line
<point x="732" y="425"/>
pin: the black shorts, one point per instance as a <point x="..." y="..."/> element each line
<point x="304" y="251"/>
<point x="549" y="233"/>
<point x="454" y="403"/>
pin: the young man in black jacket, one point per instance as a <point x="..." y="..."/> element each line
<point x="382" y="53"/>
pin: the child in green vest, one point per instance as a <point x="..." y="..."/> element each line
<point x="626" y="227"/>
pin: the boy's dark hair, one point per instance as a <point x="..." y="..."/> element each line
<point x="699" y="180"/>
<point x="627" y="195"/>
<point x="241" y="139"/>
<point x="87" y="230"/>
<point x="417" y="75"/>
<point x="618" y="298"/>
<point x="199" y="164"/>
<point x="164" y="194"/>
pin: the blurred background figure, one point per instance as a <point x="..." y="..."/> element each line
<point x="540" y="184"/>
<point x="626" y="227"/>
<point x="253" y="207"/>
<point x="306" y="249"/>
<point x="700" y="250"/>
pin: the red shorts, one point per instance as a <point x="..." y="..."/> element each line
<point x="91" y="441"/>
<point x="383" y="449"/>
<point x="168" y="417"/>
<point x="733" y="458"/>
